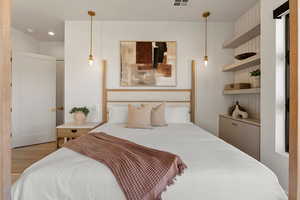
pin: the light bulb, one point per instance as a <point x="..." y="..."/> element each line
<point x="91" y="60"/>
<point x="205" y="63"/>
<point x="205" y="60"/>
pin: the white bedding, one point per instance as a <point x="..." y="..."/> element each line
<point x="216" y="170"/>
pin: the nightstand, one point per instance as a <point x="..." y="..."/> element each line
<point x="70" y="131"/>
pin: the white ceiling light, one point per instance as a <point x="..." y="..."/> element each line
<point x="51" y="33"/>
<point x="180" y="3"/>
<point x="30" y="30"/>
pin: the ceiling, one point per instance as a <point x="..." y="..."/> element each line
<point x="49" y="15"/>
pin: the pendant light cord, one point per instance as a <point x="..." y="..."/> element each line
<point x="206" y="36"/>
<point x="91" y="35"/>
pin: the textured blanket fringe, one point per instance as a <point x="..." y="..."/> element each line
<point x="177" y="168"/>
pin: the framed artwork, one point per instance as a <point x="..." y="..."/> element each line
<point x="148" y="63"/>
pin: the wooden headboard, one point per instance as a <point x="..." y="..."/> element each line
<point x="171" y="97"/>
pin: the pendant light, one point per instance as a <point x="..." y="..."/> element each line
<point x="91" y="57"/>
<point x="206" y="15"/>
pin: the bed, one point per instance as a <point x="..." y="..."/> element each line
<point x="216" y="170"/>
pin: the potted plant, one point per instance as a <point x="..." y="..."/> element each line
<point x="80" y="114"/>
<point x="255" y="78"/>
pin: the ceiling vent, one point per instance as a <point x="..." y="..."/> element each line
<point x="180" y="3"/>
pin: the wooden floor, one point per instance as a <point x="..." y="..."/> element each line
<point x="25" y="156"/>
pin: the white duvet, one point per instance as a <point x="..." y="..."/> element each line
<point x="216" y="170"/>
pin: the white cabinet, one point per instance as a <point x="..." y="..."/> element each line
<point x="241" y="134"/>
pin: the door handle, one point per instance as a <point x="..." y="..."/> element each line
<point x="60" y="108"/>
<point x="56" y="109"/>
<point x="234" y="124"/>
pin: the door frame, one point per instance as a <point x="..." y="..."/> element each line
<point x="294" y="139"/>
<point x="5" y="103"/>
<point x="5" y="99"/>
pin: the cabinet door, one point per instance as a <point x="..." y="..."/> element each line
<point x="228" y="131"/>
<point x="243" y="136"/>
<point x="249" y="139"/>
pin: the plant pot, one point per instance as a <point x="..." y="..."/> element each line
<point x="79" y="118"/>
<point x="255" y="81"/>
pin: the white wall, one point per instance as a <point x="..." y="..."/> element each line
<point x="211" y="79"/>
<point x="245" y="22"/>
<point x="83" y="83"/>
<point x="278" y="162"/>
<point x="23" y="42"/>
<point x="54" y="49"/>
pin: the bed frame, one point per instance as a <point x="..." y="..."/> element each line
<point x="172" y="97"/>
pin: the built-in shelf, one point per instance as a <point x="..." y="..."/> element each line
<point x="255" y="122"/>
<point x="242" y="38"/>
<point x="242" y="91"/>
<point x="249" y="62"/>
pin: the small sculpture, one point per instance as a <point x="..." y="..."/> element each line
<point x="238" y="113"/>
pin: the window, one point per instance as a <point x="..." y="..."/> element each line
<point x="281" y="14"/>
<point x="287" y="80"/>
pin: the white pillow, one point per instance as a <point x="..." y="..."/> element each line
<point x="174" y="114"/>
<point x="178" y="114"/>
<point x="118" y="114"/>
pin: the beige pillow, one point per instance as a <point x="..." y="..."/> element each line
<point x="139" y="117"/>
<point x="158" y="115"/>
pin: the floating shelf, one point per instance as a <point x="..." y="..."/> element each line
<point x="255" y="122"/>
<point x="241" y="39"/>
<point x="242" y="91"/>
<point x="249" y="62"/>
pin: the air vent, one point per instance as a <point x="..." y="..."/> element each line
<point x="180" y="3"/>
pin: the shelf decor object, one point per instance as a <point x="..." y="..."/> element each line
<point x="205" y="15"/>
<point x="249" y="62"/>
<point x="242" y="91"/>
<point x="242" y="38"/>
<point x="91" y="57"/>
<point x="237" y="86"/>
<point x="255" y="78"/>
<point x="244" y="56"/>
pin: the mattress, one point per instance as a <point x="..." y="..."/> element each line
<point x="216" y="170"/>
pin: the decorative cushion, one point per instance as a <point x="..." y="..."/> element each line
<point x="139" y="117"/>
<point x="158" y="114"/>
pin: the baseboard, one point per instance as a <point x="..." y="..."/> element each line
<point x="32" y="140"/>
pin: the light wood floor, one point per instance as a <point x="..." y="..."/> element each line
<point x="25" y="156"/>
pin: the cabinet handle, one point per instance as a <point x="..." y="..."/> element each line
<point x="234" y="124"/>
<point x="74" y="131"/>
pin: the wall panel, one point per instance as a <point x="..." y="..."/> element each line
<point x="244" y="23"/>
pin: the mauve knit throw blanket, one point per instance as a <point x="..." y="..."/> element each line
<point x="142" y="173"/>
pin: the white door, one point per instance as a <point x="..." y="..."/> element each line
<point x="33" y="100"/>
<point x="60" y="94"/>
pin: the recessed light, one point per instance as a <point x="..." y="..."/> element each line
<point x="180" y="3"/>
<point x="30" y="30"/>
<point x="51" y="33"/>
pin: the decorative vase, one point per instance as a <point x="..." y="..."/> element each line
<point x="79" y="118"/>
<point x="238" y="113"/>
<point x="255" y="81"/>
